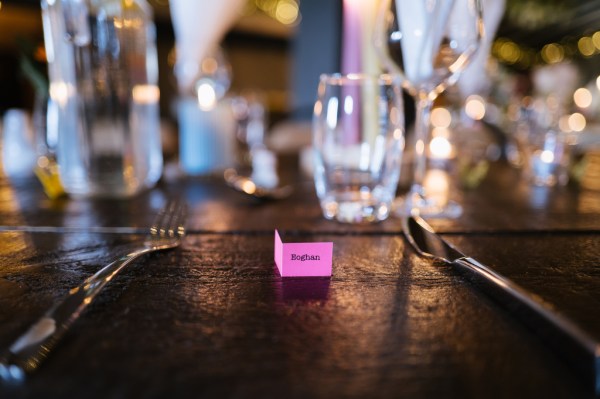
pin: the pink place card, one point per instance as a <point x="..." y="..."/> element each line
<point x="303" y="259"/>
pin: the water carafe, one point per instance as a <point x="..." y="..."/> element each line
<point x="103" y="73"/>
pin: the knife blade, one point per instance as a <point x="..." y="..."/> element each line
<point x="574" y="345"/>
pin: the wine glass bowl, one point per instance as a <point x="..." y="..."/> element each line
<point x="428" y="43"/>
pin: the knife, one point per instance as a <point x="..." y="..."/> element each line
<point x="575" y="346"/>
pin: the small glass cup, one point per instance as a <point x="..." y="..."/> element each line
<point x="358" y="140"/>
<point x="545" y="146"/>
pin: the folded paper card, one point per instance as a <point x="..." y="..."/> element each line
<point x="303" y="259"/>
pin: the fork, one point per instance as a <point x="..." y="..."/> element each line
<point x="30" y="349"/>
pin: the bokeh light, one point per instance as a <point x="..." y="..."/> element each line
<point x="145" y="94"/>
<point x="510" y="52"/>
<point x="207" y="96"/>
<point x="553" y="53"/>
<point x="547" y="156"/>
<point x="586" y="46"/>
<point x="577" y="122"/>
<point x="563" y="124"/>
<point x="475" y="107"/>
<point x="440" y="148"/>
<point x="286" y="12"/>
<point x="440" y="117"/>
<point x="596" y="40"/>
<point x="582" y="97"/>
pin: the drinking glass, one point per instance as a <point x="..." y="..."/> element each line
<point x="358" y="140"/>
<point x="427" y="42"/>
<point x="104" y="93"/>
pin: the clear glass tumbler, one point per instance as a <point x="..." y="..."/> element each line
<point x="358" y="139"/>
<point x="103" y="80"/>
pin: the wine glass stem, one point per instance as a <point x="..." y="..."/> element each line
<point x="424" y="105"/>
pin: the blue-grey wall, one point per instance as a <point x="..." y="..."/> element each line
<point x="315" y="50"/>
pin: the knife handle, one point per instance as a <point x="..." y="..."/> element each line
<point x="575" y="346"/>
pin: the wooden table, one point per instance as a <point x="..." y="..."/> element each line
<point x="214" y="319"/>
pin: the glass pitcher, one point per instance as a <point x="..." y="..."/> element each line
<point x="103" y="73"/>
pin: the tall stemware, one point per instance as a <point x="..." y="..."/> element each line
<point x="429" y="43"/>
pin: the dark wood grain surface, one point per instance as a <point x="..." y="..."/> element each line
<point x="214" y="319"/>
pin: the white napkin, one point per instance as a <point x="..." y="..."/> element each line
<point x="422" y="24"/>
<point x="474" y="79"/>
<point x="199" y="25"/>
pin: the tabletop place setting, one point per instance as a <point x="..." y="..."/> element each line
<point x="267" y="198"/>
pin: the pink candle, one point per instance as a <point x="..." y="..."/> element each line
<point x="351" y="63"/>
<point x="352" y="36"/>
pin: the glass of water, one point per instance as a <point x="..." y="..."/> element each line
<point x="358" y="140"/>
<point x="104" y="94"/>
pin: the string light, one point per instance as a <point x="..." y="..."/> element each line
<point x="596" y="40"/>
<point x="553" y="53"/>
<point x="286" y="12"/>
<point x="511" y="53"/>
<point x="586" y="46"/>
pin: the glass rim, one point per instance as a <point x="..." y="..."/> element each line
<point x="338" y="78"/>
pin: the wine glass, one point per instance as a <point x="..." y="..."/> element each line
<point x="427" y="42"/>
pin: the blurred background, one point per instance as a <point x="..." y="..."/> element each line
<point x="259" y="49"/>
<point x="278" y="48"/>
<point x="269" y="45"/>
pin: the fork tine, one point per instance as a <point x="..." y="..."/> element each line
<point x="176" y="224"/>
<point x="159" y="220"/>
<point x="181" y="227"/>
<point x="170" y="220"/>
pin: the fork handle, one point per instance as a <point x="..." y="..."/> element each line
<point x="32" y="347"/>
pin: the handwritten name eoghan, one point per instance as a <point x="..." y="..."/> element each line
<point x="305" y="257"/>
